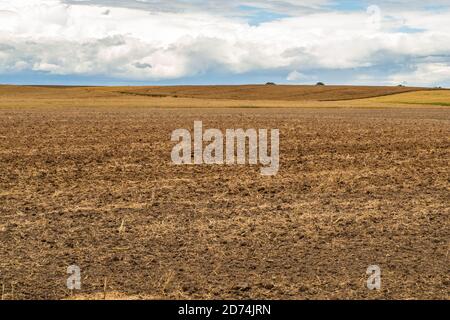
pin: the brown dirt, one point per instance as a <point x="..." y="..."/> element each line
<point x="95" y="187"/>
<point x="243" y="92"/>
<point x="262" y="92"/>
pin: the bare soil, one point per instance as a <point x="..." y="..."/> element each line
<point x="96" y="187"/>
<point x="270" y="92"/>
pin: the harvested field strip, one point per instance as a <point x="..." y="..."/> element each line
<point x="433" y="97"/>
<point x="372" y="96"/>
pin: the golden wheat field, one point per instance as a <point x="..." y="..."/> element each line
<point x="87" y="179"/>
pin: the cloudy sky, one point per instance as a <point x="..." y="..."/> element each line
<point x="140" y="42"/>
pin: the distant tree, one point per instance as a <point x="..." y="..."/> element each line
<point x="271" y="84"/>
<point x="320" y="84"/>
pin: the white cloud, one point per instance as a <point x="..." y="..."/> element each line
<point x="424" y="75"/>
<point x="295" y="76"/>
<point x="64" y="38"/>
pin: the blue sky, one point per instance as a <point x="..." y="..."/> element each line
<point x="146" y="42"/>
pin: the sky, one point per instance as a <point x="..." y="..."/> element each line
<point x="161" y="42"/>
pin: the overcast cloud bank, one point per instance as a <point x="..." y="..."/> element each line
<point x="153" y="41"/>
